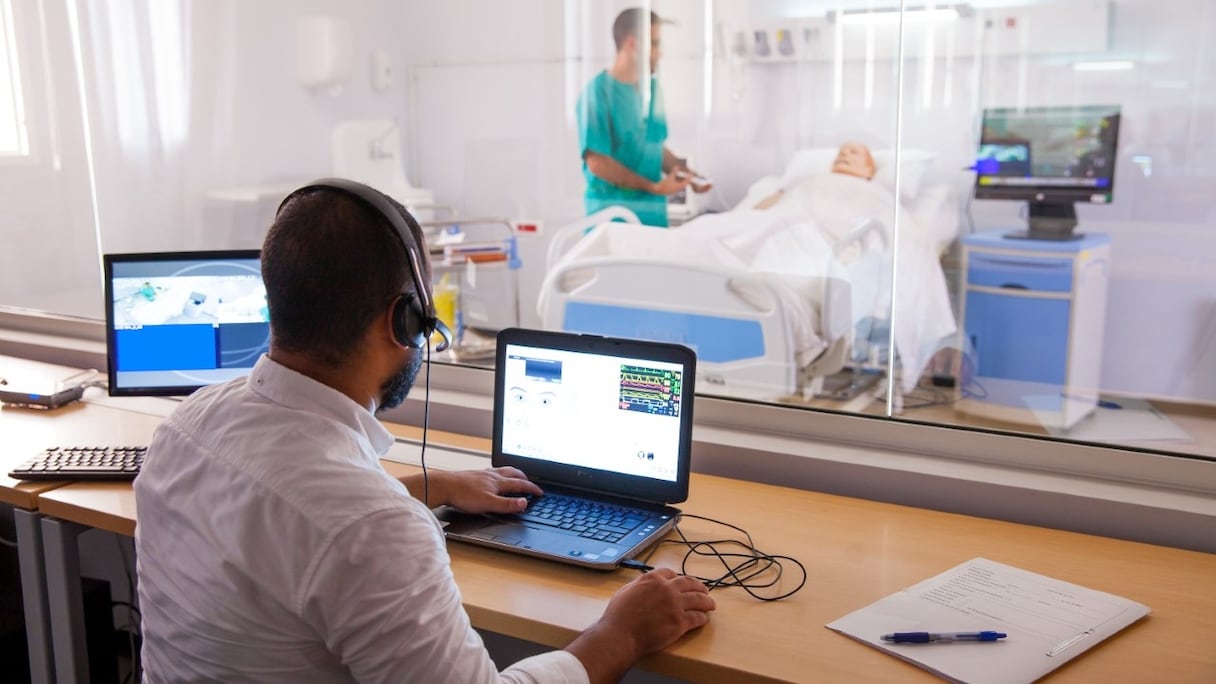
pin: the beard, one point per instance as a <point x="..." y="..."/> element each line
<point x="397" y="386"/>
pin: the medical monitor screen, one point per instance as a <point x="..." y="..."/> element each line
<point x="1048" y="154"/>
<point x="610" y="413"/>
<point x="178" y="321"/>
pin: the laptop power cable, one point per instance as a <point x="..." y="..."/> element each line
<point x="743" y="565"/>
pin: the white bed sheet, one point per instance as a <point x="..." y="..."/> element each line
<point x="919" y="303"/>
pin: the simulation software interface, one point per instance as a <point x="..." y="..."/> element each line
<point x="188" y="322"/>
<point x="605" y="412"/>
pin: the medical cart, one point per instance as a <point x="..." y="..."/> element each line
<point x="1032" y="318"/>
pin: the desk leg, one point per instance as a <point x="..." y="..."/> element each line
<point x="33" y="595"/>
<point x="66" y="599"/>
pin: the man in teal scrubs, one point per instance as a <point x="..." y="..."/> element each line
<point x="622" y="128"/>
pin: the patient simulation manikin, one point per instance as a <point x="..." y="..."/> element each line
<point x="852" y="159"/>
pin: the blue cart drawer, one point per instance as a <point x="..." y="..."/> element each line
<point x="1019" y="272"/>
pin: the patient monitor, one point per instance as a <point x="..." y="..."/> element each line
<point x="1050" y="157"/>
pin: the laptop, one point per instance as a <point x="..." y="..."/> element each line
<point x="604" y="426"/>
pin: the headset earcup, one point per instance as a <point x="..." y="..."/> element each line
<point x="409" y="322"/>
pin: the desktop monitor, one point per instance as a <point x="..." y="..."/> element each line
<point x="177" y="321"/>
<point x="1051" y="157"/>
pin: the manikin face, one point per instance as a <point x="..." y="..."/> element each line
<point x="854" y="159"/>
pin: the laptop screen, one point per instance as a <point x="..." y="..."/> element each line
<point x="181" y="320"/>
<point x="600" y="411"/>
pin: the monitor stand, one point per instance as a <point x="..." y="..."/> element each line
<point x="1049" y="221"/>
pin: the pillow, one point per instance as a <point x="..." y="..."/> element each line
<point x="913" y="165"/>
<point x="808" y="162"/>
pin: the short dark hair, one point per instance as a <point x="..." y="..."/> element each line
<point x="332" y="264"/>
<point x="629" y="23"/>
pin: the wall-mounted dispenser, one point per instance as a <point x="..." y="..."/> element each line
<point x="324" y="52"/>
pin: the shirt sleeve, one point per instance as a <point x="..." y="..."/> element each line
<point x="383" y="599"/>
<point x="594" y="121"/>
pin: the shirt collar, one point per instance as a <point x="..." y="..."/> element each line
<point x="282" y="385"/>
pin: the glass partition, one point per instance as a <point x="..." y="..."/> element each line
<point x="839" y="244"/>
<point x="1084" y="123"/>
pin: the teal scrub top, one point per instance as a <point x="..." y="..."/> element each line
<point x="612" y="122"/>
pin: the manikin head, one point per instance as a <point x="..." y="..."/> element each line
<point x="854" y="159"/>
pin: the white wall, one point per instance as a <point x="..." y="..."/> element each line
<point x="247" y="121"/>
<point x="49" y="249"/>
<point x="183" y="100"/>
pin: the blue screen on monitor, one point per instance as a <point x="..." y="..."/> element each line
<point x="182" y="320"/>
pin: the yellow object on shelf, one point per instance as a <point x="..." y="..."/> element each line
<point x="447" y="297"/>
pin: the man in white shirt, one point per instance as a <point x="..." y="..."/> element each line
<point x="272" y="546"/>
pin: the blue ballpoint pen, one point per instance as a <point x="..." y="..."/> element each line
<point x="926" y="637"/>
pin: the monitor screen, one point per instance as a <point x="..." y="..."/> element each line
<point x="595" y="410"/>
<point x="178" y="321"/>
<point x="1048" y="154"/>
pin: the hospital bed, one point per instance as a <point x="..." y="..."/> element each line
<point x="757" y="335"/>
<point x="762" y="329"/>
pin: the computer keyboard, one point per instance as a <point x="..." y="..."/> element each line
<point x="590" y="519"/>
<point x="83" y="463"/>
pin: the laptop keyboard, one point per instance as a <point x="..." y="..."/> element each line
<point x="590" y="519"/>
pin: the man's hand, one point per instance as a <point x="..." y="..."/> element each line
<point x="673" y="182"/>
<point x="493" y="490"/>
<point x="696" y="181"/>
<point x="646" y="615"/>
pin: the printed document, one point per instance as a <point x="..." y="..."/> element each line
<point x="1048" y="622"/>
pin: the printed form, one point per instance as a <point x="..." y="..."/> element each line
<point x="1047" y="622"/>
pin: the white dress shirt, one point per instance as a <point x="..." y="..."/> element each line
<point x="272" y="547"/>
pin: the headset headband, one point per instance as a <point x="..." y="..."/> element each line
<point x="403" y="224"/>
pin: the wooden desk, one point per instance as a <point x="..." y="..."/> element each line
<point x="855" y="551"/>
<point x="25" y="433"/>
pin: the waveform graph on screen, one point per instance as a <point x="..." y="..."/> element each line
<point x="651" y="390"/>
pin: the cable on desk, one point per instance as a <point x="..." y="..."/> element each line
<point x="937" y="397"/>
<point x="974" y="389"/>
<point x="85" y="378"/>
<point x="748" y="568"/>
<point x="426" y="421"/>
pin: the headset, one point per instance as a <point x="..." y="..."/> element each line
<point x="414" y="319"/>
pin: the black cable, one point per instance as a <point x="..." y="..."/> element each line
<point x="973" y="389"/>
<point x="132" y="610"/>
<point x="426" y="421"/>
<point x="937" y="397"/>
<point x="128" y="604"/>
<point x="746" y="574"/>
